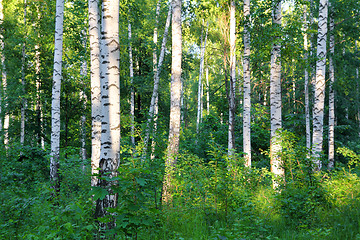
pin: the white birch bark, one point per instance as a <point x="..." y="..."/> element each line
<point x="83" y="99"/>
<point x="24" y="102"/>
<point x="306" y="84"/>
<point x="175" y="109"/>
<point x="110" y="101"/>
<point x="132" y="92"/>
<point x="200" y="88"/>
<point x="94" y="38"/>
<point x="153" y="109"/>
<point x="275" y="98"/>
<point x="4" y="81"/>
<point x="55" y="104"/>
<point x="231" y="139"/>
<point x="319" y="100"/>
<point x="2" y="61"/>
<point x="38" y="108"/>
<point x="247" y="87"/>
<point x="357" y="80"/>
<point x="155" y="69"/>
<point x="207" y="90"/>
<point x="331" y="155"/>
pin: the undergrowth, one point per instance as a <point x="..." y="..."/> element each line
<point x="213" y="198"/>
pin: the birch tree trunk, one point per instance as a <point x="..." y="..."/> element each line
<point x="2" y="61"/>
<point x="231" y="139"/>
<point x="247" y="87"/>
<point x="94" y="38"/>
<point x="24" y="102"/>
<point x="175" y="110"/>
<point x="207" y="90"/>
<point x="200" y="89"/>
<point x="331" y="94"/>
<point x="275" y="98"/>
<point x="132" y="93"/>
<point x="83" y="99"/>
<point x="318" y="111"/>
<point x="55" y="104"/>
<point x="153" y="109"/>
<point x="110" y="101"/>
<point x="357" y="81"/>
<point x="306" y="88"/>
<point x="4" y="81"/>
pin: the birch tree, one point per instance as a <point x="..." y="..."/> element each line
<point x="55" y="104"/>
<point x="94" y="38"/>
<point x="247" y="86"/>
<point x="231" y="138"/>
<point x="110" y="103"/>
<point x="4" y="81"/>
<point x="319" y="98"/>
<point x="153" y="109"/>
<point x="24" y="102"/>
<point x="275" y="96"/>
<point x="2" y="61"/>
<point x="331" y="154"/>
<point x="200" y="88"/>
<point x="132" y="92"/>
<point x="83" y="99"/>
<point x="306" y="79"/>
<point x="175" y="111"/>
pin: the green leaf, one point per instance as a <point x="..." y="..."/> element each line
<point x="99" y="193"/>
<point x="141" y="181"/>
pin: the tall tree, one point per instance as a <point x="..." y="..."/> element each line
<point x="247" y="86"/>
<point x="200" y="88"/>
<point x="110" y="103"/>
<point x="132" y="92"/>
<point x="275" y="96"/>
<point x="331" y="154"/>
<point x="2" y="61"/>
<point x="24" y="102"/>
<point x="306" y="84"/>
<point x="4" y="80"/>
<point x="153" y="109"/>
<point x="83" y="99"/>
<point x="175" y="111"/>
<point x="231" y="137"/>
<point x="55" y="104"/>
<point x="94" y="37"/>
<point x="319" y="101"/>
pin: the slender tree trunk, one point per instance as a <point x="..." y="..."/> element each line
<point x="153" y="109"/>
<point x="38" y="109"/>
<point x="357" y="86"/>
<point x="319" y="102"/>
<point x="306" y="76"/>
<point x="231" y="138"/>
<point x="275" y="98"/>
<point x="175" y="109"/>
<point x="200" y="89"/>
<point x="4" y="81"/>
<point x="110" y="101"/>
<point x="55" y="104"/>
<point x="94" y="36"/>
<point x="155" y="69"/>
<point x="2" y="62"/>
<point x="24" y="102"/>
<point x="132" y="93"/>
<point x="83" y="99"/>
<point x="247" y="87"/>
<point x="331" y="95"/>
<point x="207" y="90"/>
